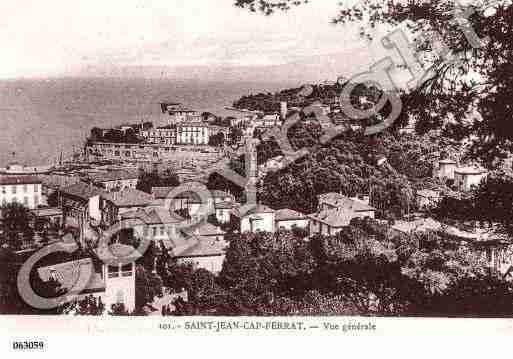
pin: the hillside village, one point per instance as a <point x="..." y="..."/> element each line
<point x="376" y="195"/>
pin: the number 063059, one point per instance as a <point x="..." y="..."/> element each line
<point x="28" y="345"/>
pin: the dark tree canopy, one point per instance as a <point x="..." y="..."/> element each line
<point x="475" y="107"/>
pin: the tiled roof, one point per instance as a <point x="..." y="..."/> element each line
<point x="447" y="161"/>
<point x="288" y="215"/>
<point x="333" y="217"/>
<point x="260" y="208"/>
<point x="73" y="276"/>
<point x="153" y="216"/>
<point x="220" y="194"/>
<point x="113" y="176"/>
<point x="10" y="180"/>
<point x="225" y="205"/>
<point x="57" y="181"/>
<point x="205" y="229"/>
<point x="200" y="247"/>
<point x="470" y="170"/>
<point x="420" y="225"/>
<point x="46" y="212"/>
<point x="428" y="193"/>
<point x="82" y="190"/>
<point x="346" y="203"/>
<point x="129" y="198"/>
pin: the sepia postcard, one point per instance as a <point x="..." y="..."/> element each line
<point x="256" y="168"/>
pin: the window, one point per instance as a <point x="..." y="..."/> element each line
<point x="25" y="188"/>
<point x="126" y="270"/>
<point x="116" y="153"/>
<point x="113" y="271"/>
<point x="14" y="189"/>
<point x="145" y="231"/>
<point x="25" y="201"/>
<point x="162" y="231"/>
<point x="154" y="231"/>
<point x="36" y="200"/>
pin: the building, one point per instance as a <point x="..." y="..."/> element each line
<point x="427" y="199"/>
<point x="446" y="169"/>
<point x="259" y="219"/>
<point x="467" y="178"/>
<point x="224" y="211"/>
<point x="114" y="204"/>
<point x="192" y="133"/>
<point x="113" y="181"/>
<point x="81" y="203"/>
<point x="161" y="135"/>
<point x="26" y="190"/>
<point x="329" y="222"/>
<point x="129" y="151"/>
<point x="52" y="216"/>
<point x="288" y="219"/>
<point x="179" y="113"/>
<point x="335" y="212"/>
<point x="360" y="208"/>
<point x="205" y="230"/>
<point x="103" y="279"/>
<point x="267" y="121"/>
<point x="208" y="254"/>
<point x="157" y="224"/>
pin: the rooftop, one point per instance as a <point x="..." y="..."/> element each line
<point x="260" y="208"/>
<point x="333" y="217"/>
<point x="346" y="203"/>
<point x="470" y="170"/>
<point x="47" y="212"/>
<point x="58" y="181"/>
<point x="113" y="176"/>
<point x="205" y="229"/>
<point x="289" y="215"/>
<point x="200" y="247"/>
<point x="10" y="180"/>
<point x="447" y="161"/>
<point x="153" y="216"/>
<point x="82" y="190"/>
<point x="74" y="276"/>
<point x="129" y="198"/>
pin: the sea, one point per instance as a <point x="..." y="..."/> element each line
<point x="41" y="118"/>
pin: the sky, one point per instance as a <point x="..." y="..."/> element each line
<point x="62" y="37"/>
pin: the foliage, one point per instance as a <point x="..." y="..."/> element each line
<point x="466" y="90"/>
<point x="15" y="225"/>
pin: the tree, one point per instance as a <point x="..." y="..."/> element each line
<point x="446" y="97"/>
<point x="493" y="200"/>
<point x="147" y="287"/>
<point x="16" y="224"/>
<point x="216" y="140"/>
